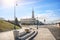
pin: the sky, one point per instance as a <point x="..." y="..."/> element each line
<point x="43" y="9"/>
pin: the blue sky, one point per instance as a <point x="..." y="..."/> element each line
<point x="44" y="9"/>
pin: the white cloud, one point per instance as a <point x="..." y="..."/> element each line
<point x="26" y="3"/>
<point x="49" y="15"/>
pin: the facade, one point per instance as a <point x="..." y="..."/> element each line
<point x="28" y="21"/>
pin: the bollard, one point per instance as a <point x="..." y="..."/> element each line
<point x="16" y="34"/>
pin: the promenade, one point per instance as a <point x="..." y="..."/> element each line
<point x="44" y="34"/>
<point x="47" y="32"/>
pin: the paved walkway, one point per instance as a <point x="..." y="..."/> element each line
<point x="44" y="34"/>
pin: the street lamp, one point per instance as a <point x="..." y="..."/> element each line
<point x="15" y="4"/>
<point x="44" y="21"/>
<point x="37" y="22"/>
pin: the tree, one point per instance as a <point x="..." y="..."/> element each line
<point x="17" y="23"/>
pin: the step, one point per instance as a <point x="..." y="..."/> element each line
<point x="32" y="36"/>
<point x="26" y="36"/>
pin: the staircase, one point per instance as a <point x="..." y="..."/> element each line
<point x="27" y="36"/>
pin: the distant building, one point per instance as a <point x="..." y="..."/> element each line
<point x="30" y="21"/>
<point x="58" y="24"/>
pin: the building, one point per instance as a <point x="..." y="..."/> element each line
<point x="30" y="21"/>
<point x="58" y="24"/>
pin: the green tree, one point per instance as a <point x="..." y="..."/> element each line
<point x="17" y="23"/>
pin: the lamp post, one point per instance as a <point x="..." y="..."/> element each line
<point x="44" y="21"/>
<point x="37" y="22"/>
<point x="15" y="4"/>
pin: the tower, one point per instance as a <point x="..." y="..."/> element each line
<point x="32" y="13"/>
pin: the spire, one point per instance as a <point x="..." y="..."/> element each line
<point x="32" y="13"/>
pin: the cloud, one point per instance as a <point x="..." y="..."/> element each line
<point x="49" y="15"/>
<point x="47" y="5"/>
<point x="26" y="3"/>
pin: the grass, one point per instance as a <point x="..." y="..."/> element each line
<point x="6" y="26"/>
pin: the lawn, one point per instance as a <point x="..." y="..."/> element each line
<point x="6" y="26"/>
